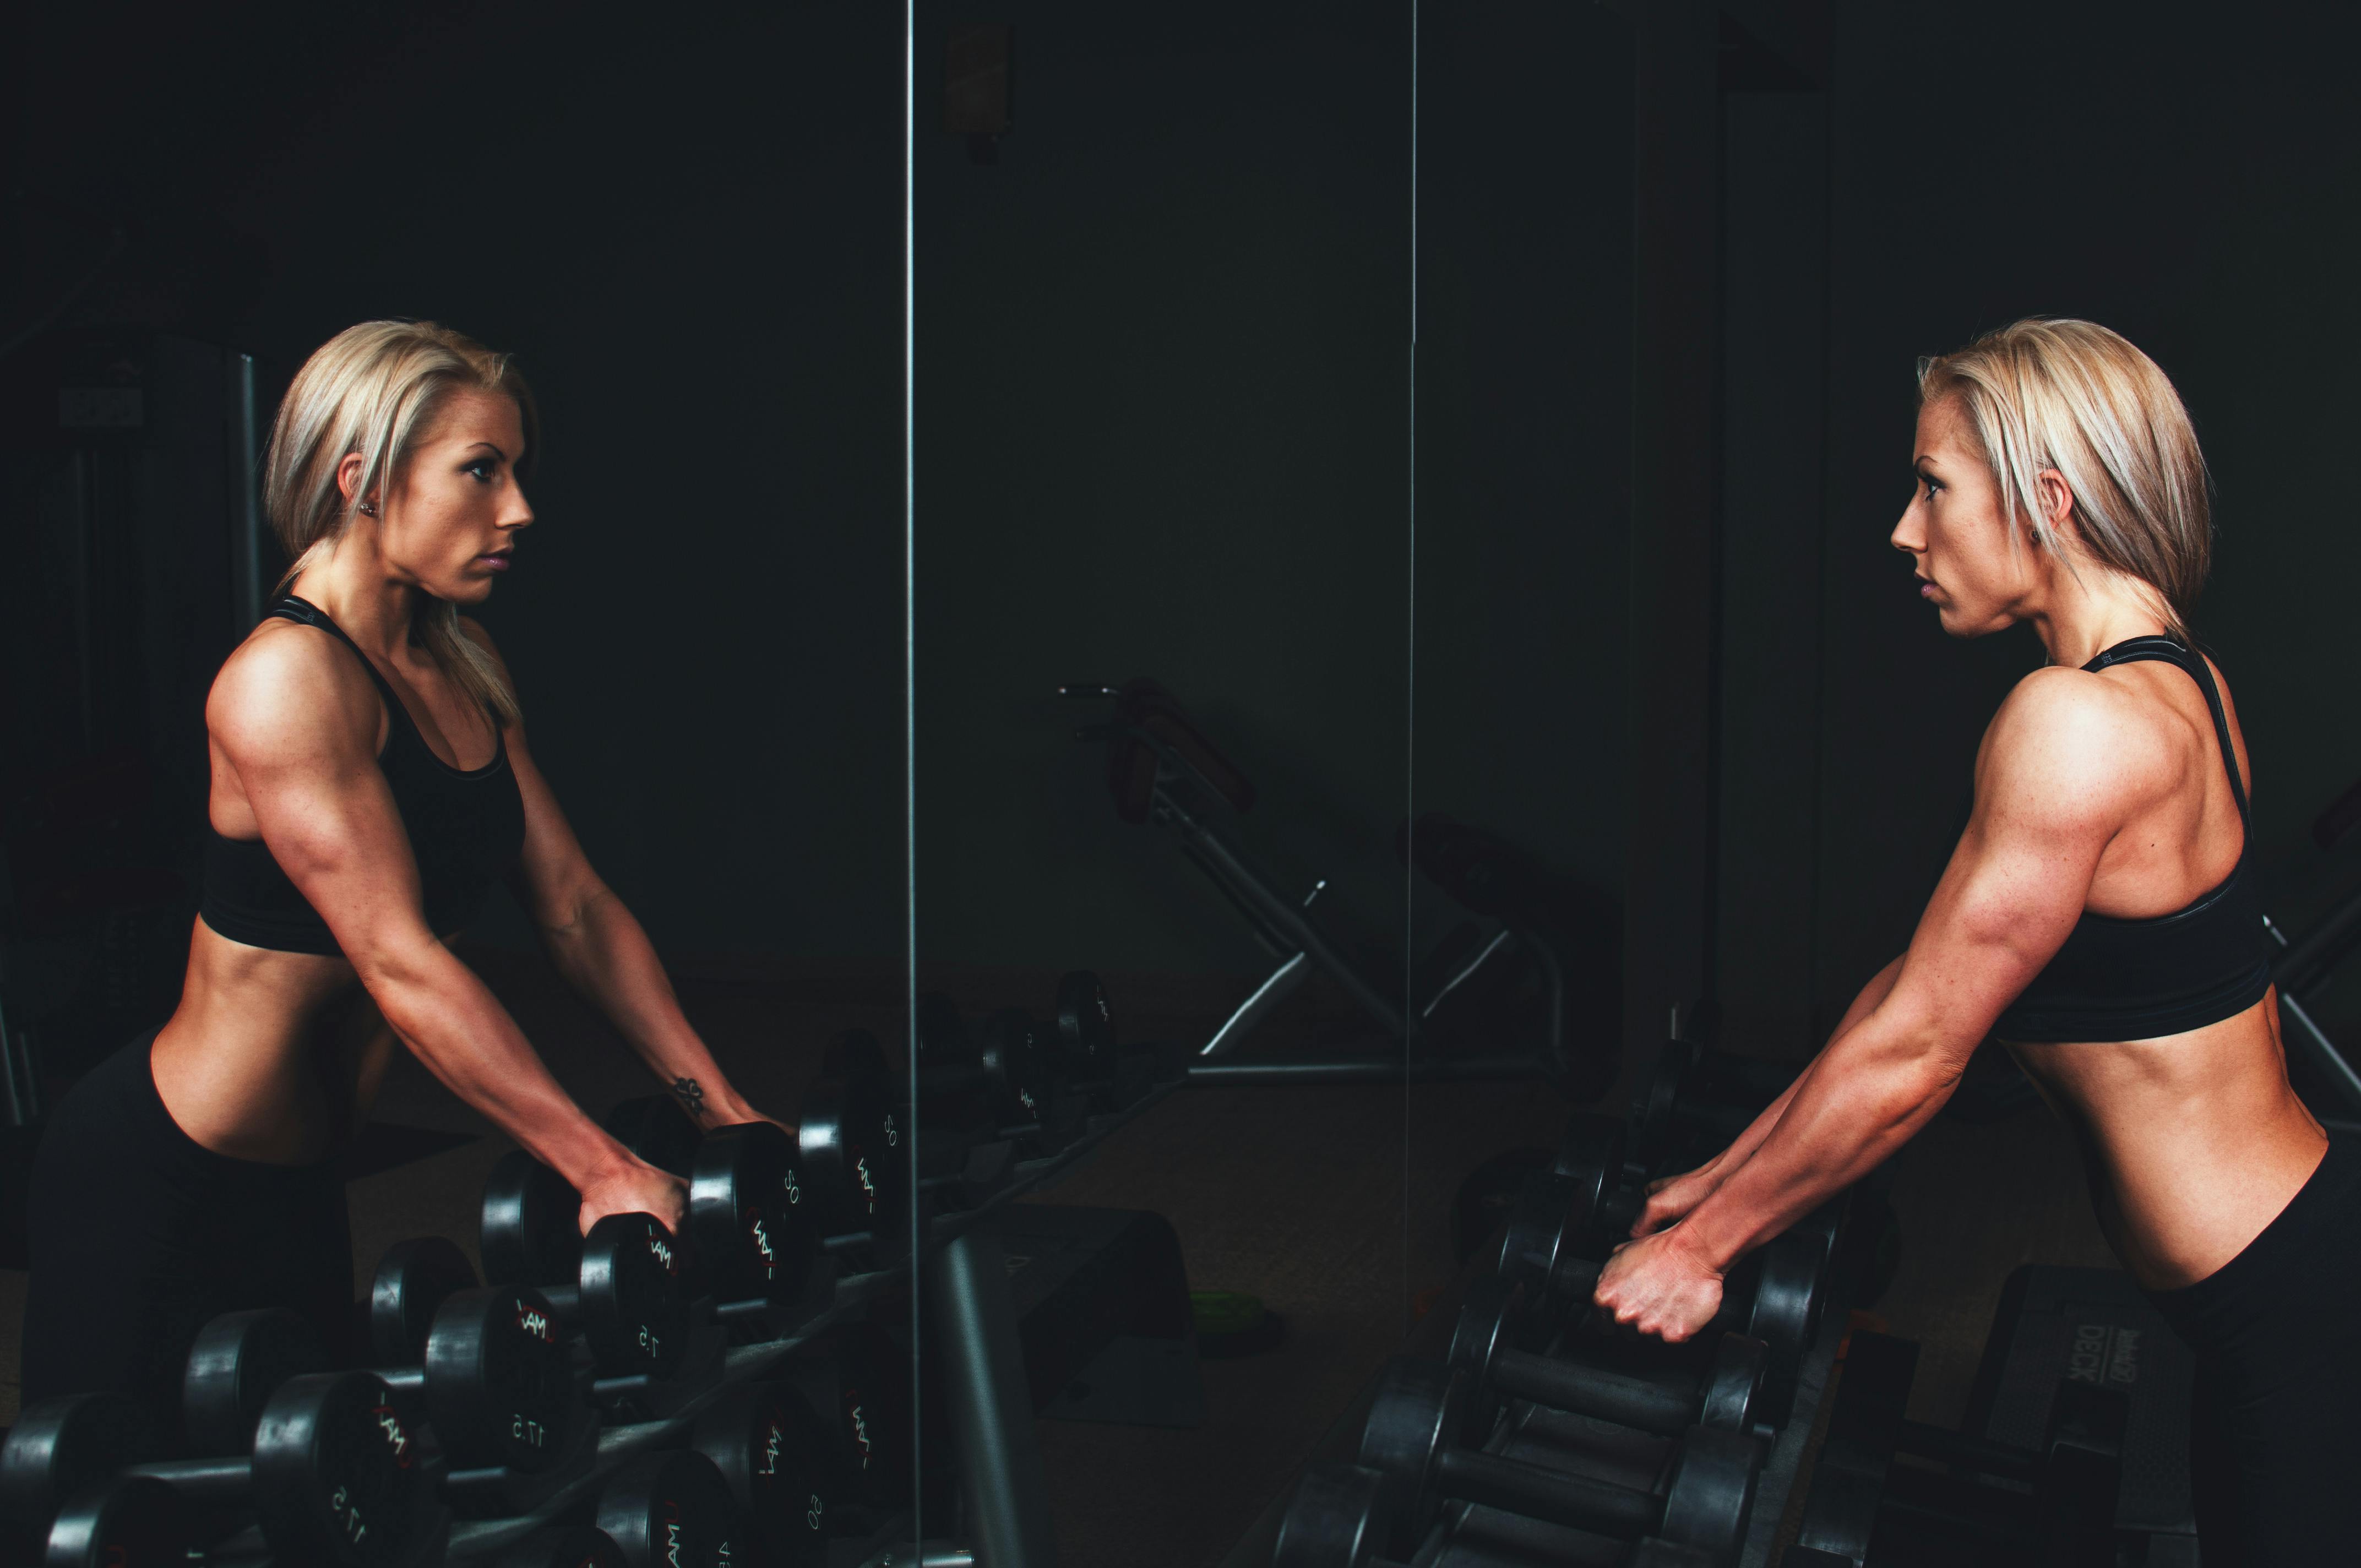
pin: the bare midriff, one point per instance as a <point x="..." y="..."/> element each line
<point x="2193" y="1144"/>
<point x="271" y="1056"/>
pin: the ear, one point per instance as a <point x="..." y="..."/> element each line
<point x="2057" y="498"/>
<point x="348" y="476"/>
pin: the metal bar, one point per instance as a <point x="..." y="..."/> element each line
<point x="247" y="588"/>
<point x="1278" y="988"/>
<point x="1281" y="915"/>
<point x="1368" y="1069"/>
<point x="991" y="1405"/>
<point x="1466" y="972"/>
<point x="2321" y="1052"/>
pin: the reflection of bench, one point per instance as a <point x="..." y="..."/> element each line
<point x="1535" y="940"/>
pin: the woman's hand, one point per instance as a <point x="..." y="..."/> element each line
<point x="1658" y="1287"/>
<point x="637" y="1188"/>
<point x="1670" y="1198"/>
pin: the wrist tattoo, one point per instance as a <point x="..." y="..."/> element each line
<point x="686" y="1090"/>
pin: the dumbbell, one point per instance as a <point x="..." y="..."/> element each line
<point x="1773" y="1295"/>
<point x="673" y="1510"/>
<point x="492" y="1379"/>
<point x="783" y="1465"/>
<point x="620" y="1288"/>
<point x="333" y="1478"/>
<point x="992" y="1082"/>
<point x="1084" y="1048"/>
<point x="1408" y="1439"/>
<point x="1694" y="1088"/>
<point x="1338" y="1512"/>
<point x="1728" y="1395"/>
<point x="751" y="1219"/>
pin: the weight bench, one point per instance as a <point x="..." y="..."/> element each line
<point x="1162" y="770"/>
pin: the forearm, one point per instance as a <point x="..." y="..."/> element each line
<point x="1742" y="1146"/>
<point x="606" y="956"/>
<point x="458" y="1030"/>
<point x="1864" y="1096"/>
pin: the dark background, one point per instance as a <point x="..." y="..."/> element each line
<point x="1163" y="403"/>
<point x="1646" y="281"/>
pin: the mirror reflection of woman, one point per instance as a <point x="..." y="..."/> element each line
<point x="371" y="779"/>
<point x="2098" y="918"/>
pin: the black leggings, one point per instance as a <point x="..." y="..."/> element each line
<point x="2273" y="1444"/>
<point x="140" y="1237"/>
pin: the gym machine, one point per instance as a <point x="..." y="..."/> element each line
<point x="1528" y="932"/>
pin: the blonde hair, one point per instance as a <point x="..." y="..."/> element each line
<point x="2050" y="393"/>
<point x="373" y="390"/>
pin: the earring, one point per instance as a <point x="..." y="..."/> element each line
<point x="368" y="509"/>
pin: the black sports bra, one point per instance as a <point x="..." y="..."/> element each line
<point x="2137" y="980"/>
<point x="466" y="827"/>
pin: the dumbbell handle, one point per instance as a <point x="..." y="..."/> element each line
<point x="1600" y="1505"/>
<point x="1609" y="1396"/>
<point x="199" y="1477"/>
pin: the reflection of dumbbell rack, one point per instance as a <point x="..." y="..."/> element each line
<point x="961" y="1276"/>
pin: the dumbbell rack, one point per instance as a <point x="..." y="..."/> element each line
<point x="1470" y="1536"/>
<point x="959" y="1265"/>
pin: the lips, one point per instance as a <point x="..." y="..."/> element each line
<point x="497" y="560"/>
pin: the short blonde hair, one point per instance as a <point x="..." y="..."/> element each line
<point x="2051" y="392"/>
<point x="374" y="389"/>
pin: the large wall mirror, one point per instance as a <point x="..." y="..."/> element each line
<point x="1162" y="667"/>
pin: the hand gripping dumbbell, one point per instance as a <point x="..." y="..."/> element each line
<point x="1339" y="1512"/>
<point x="1775" y="1294"/>
<point x="620" y="1290"/>
<point x="331" y="1478"/>
<point x="1410" y="1439"/>
<point x="1726" y="1395"/>
<point x="752" y="1221"/>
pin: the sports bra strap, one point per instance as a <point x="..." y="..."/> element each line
<point x="290" y="608"/>
<point x="2171" y="650"/>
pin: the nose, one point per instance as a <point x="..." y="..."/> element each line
<point x="1910" y="532"/>
<point x="516" y="511"/>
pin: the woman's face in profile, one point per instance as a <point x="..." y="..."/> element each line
<point x="1957" y="533"/>
<point x="457" y="507"/>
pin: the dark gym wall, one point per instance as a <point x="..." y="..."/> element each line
<point x="1162" y="416"/>
<point x="2185" y="175"/>
<point x="690" y="236"/>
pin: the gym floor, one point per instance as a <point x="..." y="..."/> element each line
<point x="1333" y="1204"/>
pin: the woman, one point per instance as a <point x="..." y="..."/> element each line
<point x="2099" y="918"/>
<point x="369" y="779"/>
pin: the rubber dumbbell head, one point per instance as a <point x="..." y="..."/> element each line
<point x="672" y="1510"/>
<point x="1411" y="1439"/>
<point x="1728" y="1395"/>
<point x="777" y="1456"/>
<point x="750" y="1218"/>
